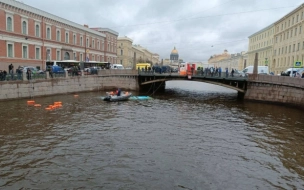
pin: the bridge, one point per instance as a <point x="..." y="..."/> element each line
<point x="267" y="88"/>
<point x="233" y="82"/>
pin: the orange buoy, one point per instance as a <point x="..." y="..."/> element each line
<point x="57" y="103"/>
<point x="37" y="105"/>
<point x="75" y="95"/>
<point x="48" y="108"/>
<point x="31" y="102"/>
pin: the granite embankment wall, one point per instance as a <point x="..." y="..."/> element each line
<point x="106" y="80"/>
<point x="276" y="89"/>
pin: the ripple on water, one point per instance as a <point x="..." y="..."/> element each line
<point x="193" y="136"/>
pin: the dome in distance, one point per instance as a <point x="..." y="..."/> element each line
<point x="174" y="51"/>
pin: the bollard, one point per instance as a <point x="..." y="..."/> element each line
<point x="66" y="74"/>
<point x="24" y="76"/>
<point x="47" y="75"/>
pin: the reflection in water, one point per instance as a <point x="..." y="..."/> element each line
<point x="194" y="136"/>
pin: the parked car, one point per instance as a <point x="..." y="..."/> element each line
<point x="288" y="72"/>
<point x="33" y="69"/>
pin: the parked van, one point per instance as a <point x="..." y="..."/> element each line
<point x="261" y="70"/>
<point x="56" y="69"/>
<point x="290" y="73"/>
<point x="117" y="66"/>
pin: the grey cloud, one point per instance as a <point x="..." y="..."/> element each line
<point x="197" y="28"/>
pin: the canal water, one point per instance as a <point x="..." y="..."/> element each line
<point x="194" y="136"/>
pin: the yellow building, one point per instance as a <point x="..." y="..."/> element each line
<point x="261" y="42"/>
<point x="289" y="40"/>
<point x="125" y="52"/>
<point x="129" y="55"/>
<point x="213" y="60"/>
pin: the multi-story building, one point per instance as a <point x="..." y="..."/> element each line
<point x="213" y="60"/>
<point x="129" y="54"/>
<point x="289" y="40"/>
<point x="110" y="43"/>
<point x="125" y="53"/>
<point x="30" y="36"/>
<point x="234" y="61"/>
<point x="261" y="42"/>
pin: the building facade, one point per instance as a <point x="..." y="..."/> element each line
<point x="110" y="44"/>
<point x="261" y="42"/>
<point x="129" y="55"/>
<point x="213" y="60"/>
<point x="125" y="52"/>
<point x="289" y="40"/>
<point x="30" y="36"/>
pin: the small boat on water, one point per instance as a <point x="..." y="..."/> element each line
<point x="111" y="97"/>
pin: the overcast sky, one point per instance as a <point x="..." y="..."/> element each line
<point x="197" y="28"/>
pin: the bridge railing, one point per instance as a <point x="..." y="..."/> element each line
<point x="192" y="73"/>
<point x="280" y="80"/>
<point x="108" y="72"/>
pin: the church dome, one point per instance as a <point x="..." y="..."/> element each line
<point x="174" y="51"/>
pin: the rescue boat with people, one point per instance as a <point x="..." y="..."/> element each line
<point x="114" y="97"/>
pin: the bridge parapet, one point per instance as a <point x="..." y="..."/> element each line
<point x="279" y="80"/>
<point x="111" y="72"/>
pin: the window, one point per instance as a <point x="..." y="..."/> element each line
<point x="48" y="33"/>
<point x="102" y="46"/>
<point x="81" y="41"/>
<point x="98" y="45"/>
<point x="58" y="55"/>
<point x="93" y="57"/>
<point x="296" y="31"/>
<point x="74" y="39"/>
<point x="286" y="49"/>
<point x="37" y="30"/>
<point x="58" y="35"/>
<point x="294" y="48"/>
<point x="289" y="48"/>
<point x="48" y="54"/>
<point x="37" y="53"/>
<point x="298" y="47"/>
<point x="74" y="54"/>
<point x="81" y="59"/>
<point x="300" y="29"/>
<point x="24" y="27"/>
<point x="10" y="50"/>
<point x="66" y="37"/>
<point x="87" y="43"/>
<point x="121" y="52"/>
<point x="24" y="52"/>
<point x="9" y="24"/>
<point x="297" y="18"/>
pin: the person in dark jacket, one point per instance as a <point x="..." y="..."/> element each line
<point x="118" y="92"/>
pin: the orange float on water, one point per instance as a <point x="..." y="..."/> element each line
<point x="75" y="95"/>
<point x="48" y="108"/>
<point x="37" y="105"/>
<point x="31" y="102"/>
<point x="57" y="103"/>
